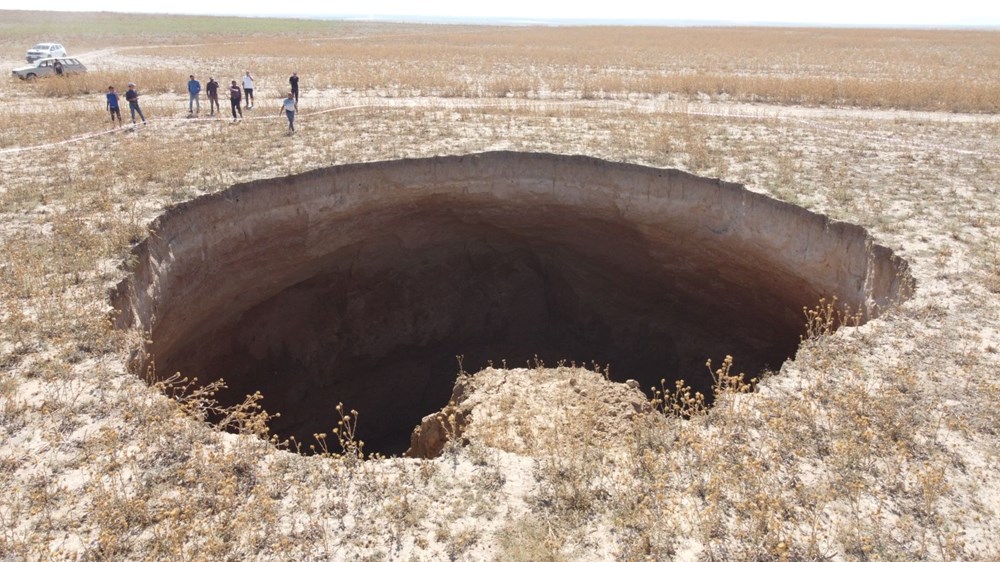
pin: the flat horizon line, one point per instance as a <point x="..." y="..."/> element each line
<point x="630" y="22"/>
<point x="559" y="22"/>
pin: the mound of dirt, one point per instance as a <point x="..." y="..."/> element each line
<point x="522" y="410"/>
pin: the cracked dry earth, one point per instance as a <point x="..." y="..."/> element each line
<point x="877" y="441"/>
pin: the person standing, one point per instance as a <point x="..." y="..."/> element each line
<point x="212" y="88"/>
<point x="294" y="81"/>
<point x="248" y="89"/>
<point x="234" y="100"/>
<point x="112" y="98"/>
<point x="132" y="97"/>
<point x="194" y="88"/>
<point x="289" y="105"/>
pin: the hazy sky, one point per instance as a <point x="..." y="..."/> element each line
<point x="849" y="12"/>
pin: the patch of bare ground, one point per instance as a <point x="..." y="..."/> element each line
<point x="875" y="442"/>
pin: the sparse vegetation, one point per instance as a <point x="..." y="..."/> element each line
<point x="878" y="442"/>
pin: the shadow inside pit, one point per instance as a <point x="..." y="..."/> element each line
<point x="383" y="339"/>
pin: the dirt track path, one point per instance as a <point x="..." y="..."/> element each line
<point x="170" y="110"/>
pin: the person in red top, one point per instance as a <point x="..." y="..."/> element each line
<point x="235" y="97"/>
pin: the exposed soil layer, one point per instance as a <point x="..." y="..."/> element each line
<point x="362" y="283"/>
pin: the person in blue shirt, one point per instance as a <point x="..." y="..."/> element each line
<point x="112" y="97"/>
<point x="194" y="88"/>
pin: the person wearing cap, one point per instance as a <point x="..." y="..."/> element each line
<point x="132" y="97"/>
<point x="194" y="88"/>
<point x="212" y="89"/>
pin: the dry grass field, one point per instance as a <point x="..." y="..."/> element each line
<point x="878" y="442"/>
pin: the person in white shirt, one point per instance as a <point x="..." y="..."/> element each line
<point x="289" y="105"/>
<point x="248" y="89"/>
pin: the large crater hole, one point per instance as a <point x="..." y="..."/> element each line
<point x="362" y="283"/>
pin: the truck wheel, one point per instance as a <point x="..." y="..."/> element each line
<point x="30" y="76"/>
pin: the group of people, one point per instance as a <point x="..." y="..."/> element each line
<point x="237" y="96"/>
<point x="131" y="96"/>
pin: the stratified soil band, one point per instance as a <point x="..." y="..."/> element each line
<point x="362" y="283"/>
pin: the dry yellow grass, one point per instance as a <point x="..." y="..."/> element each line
<point x="878" y="442"/>
<point x="936" y="70"/>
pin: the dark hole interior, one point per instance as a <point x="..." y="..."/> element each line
<point x="377" y="324"/>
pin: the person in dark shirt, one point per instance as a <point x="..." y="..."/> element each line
<point x="212" y="88"/>
<point x="235" y="97"/>
<point x="294" y="81"/>
<point x="132" y="97"/>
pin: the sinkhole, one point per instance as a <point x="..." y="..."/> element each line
<point x="362" y="283"/>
